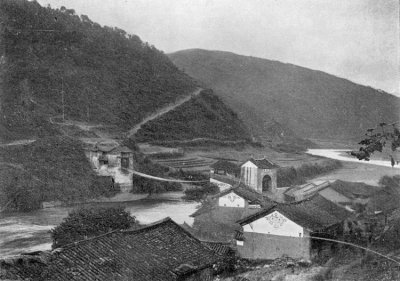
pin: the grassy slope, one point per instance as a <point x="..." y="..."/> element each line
<point x="311" y="103"/>
<point x="204" y="116"/>
<point x="108" y="76"/>
<point x="53" y="168"/>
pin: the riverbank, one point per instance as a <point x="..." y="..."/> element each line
<point x="341" y="154"/>
<point x="26" y="232"/>
<point x="354" y="170"/>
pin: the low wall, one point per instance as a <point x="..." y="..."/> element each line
<point x="269" y="247"/>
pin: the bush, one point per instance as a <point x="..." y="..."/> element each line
<point x="200" y="193"/>
<point x="85" y="223"/>
<point x="288" y="176"/>
<point x="145" y="185"/>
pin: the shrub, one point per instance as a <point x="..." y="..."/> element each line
<point x="85" y="223"/>
<point x="199" y="193"/>
<point x="288" y="176"/>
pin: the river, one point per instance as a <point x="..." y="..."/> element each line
<point x="341" y="154"/>
<point x="27" y="232"/>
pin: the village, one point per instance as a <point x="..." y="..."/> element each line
<point x="249" y="220"/>
<point x="199" y="140"/>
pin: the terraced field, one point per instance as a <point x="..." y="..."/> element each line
<point x="192" y="163"/>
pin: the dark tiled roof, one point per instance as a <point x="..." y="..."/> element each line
<point x="263" y="163"/>
<point x="221" y="248"/>
<point x="314" y="213"/>
<point x="353" y="189"/>
<point x="307" y="189"/>
<point x="385" y="200"/>
<point x="121" y="149"/>
<point x="226" y="166"/>
<point x="248" y="194"/>
<point x="161" y="251"/>
<point x="239" y="235"/>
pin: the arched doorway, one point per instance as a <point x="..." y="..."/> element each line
<point x="266" y="183"/>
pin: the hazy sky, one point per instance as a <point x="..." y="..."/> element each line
<point x="355" y="39"/>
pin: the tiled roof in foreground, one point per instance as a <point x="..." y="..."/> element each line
<point x="161" y="251"/>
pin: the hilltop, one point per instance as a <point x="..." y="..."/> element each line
<point x="106" y="75"/>
<point x="270" y="95"/>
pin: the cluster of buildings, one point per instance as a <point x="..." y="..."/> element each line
<point x="265" y="221"/>
<point x="110" y="159"/>
<point x="251" y="217"/>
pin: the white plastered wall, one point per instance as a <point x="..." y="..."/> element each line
<point x="275" y="224"/>
<point x="231" y="200"/>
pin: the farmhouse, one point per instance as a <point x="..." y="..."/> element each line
<point x="162" y="251"/>
<point x="287" y="229"/>
<point x="111" y="155"/>
<point x="226" y="168"/>
<point x="217" y="217"/>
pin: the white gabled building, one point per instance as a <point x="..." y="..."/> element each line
<point x="260" y="175"/>
<point x="286" y="229"/>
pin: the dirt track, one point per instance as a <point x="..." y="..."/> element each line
<point x="162" y="111"/>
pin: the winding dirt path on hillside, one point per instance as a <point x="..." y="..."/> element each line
<point x="17" y="142"/>
<point x="162" y="111"/>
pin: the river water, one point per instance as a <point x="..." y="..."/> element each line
<point x="341" y="154"/>
<point x="27" y="232"/>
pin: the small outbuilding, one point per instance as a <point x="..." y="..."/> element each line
<point x="226" y="168"/>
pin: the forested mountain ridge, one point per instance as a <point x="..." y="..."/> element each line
<point x="105" y="74"/>
<point x="311" y="104"/>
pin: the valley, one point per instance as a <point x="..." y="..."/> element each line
<point x="189" y="164"/>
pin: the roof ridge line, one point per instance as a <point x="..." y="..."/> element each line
<point x="147" y="226"/>
<point x="69" y="245"/>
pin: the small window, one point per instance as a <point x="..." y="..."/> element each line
<point x="299" y="234"/>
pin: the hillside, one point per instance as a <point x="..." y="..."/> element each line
<point x="107" y="75"/>
<point x="203" y="116"/>
<point x="308" y="103"/>
<point x="52" y="168"/>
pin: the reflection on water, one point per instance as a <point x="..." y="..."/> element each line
<point x="24" y="232"/>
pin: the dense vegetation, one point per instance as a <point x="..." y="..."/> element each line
<point x="145" y="185"/>
<point x="204" y="116"/>
<point x="288" y="176"/>
<point x="201" y="192"/>
<point x="196" y="191"/>
<point x="85" y="223"/>
<point x="107" y="75"/>
<point x="310" y="103"/>
<point x="52" y="168"/>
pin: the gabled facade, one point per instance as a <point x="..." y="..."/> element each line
<point x="217" y="218"/>
<point x="273" y="235"/>
<point x="286" y="229"/>
<point x="232" y="199"/>
<point x="260" y="175"/>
